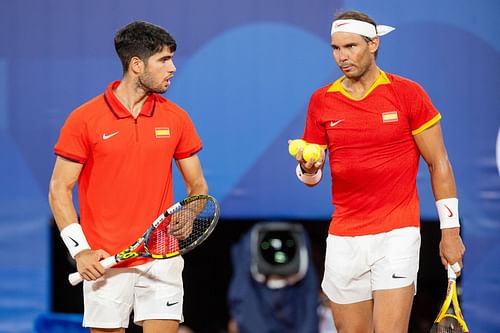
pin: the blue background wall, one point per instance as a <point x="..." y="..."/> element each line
<point x="245" y="72"/>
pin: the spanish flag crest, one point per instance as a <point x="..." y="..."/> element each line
<point x="390" y="117"/>
<point x="162" y="132"/>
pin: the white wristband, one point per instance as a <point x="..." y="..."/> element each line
<point x="448" y="213"/>
<point x="74" y="239"/>
<point x="307" y="178"/>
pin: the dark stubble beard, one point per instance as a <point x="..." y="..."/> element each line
<point x="146" y="83"/>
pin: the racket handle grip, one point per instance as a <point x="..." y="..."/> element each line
<point x="75" y="278"/>
<point x="451" y="273"/>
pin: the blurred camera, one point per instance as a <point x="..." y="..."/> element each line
<point x="279" y="253"/>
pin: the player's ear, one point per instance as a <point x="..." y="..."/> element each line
<point x="136" y="65"/>
<point x="373" y="44"/>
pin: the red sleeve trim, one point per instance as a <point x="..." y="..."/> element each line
<point x="182" y="155"/>
<point x="70" y="157"/>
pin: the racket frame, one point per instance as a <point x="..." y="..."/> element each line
<point x="129" y="252"/>
<point x="452" y="299"/>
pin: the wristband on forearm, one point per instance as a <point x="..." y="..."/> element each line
<point x="448" y="213"/>
<point x="308" y="178"/>
<point x="74" y="239"/>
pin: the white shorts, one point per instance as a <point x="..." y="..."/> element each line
<point x="356" y="266"/>
<point x="152" y="290"/>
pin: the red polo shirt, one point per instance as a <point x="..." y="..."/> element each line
<point x="126" y="179"/>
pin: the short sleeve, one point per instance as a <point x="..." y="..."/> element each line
<point x="423" y="114"/>
<point x="314" y="131"/>
<point x="189" y="143"/>
<point x="73" y="140"/>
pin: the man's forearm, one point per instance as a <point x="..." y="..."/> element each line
<point x="443" y="180"/>
<point x="61" y="204"/>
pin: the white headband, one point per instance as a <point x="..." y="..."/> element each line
<point x="360" y="28"/>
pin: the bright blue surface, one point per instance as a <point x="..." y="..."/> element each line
<point x="245" y="72"/>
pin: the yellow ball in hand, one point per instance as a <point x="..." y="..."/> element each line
<point x="295" y="145"/>
<point x="311" y="151"/>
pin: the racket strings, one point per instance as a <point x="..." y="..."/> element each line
<point x="160" y="242"/>
<point x="182" y="229"/>
<point x="204" y="212"/>
<point x="447" y="325"/>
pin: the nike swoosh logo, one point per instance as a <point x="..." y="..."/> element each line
<point x="341" y="24"/>
<point x="449" y="210"/>
<point x="76" y="243"/>
<point x="107" y="136"/>
<point x="170" y="304"/>
<point x="333" y="124"/>
<point x="394" y="276"/>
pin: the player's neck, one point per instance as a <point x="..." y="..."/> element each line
<point x="131" y="96"/>
<point x="357" y="87"/>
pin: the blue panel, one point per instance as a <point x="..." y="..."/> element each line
<point x="59" y="323"/>
<point x="3" y="94"/>
<point x="479" y="19"/>
<point x="24" y="236"/>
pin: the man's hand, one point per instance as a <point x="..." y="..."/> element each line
<point x="451" y="247"/>
<point x="181" y="226"/>
<point x="87" y="264"/>
<point x="312" y="166"/>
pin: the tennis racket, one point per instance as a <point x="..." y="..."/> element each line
<point x="195" y="216"/>
<point x="450" y="319"/>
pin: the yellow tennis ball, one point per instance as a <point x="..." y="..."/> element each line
<point x="311" y="151"/>
<point x="295" y="145"/>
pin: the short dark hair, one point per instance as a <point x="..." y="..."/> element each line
<point x="355" y="15"/>
<point x="141" y="39"/>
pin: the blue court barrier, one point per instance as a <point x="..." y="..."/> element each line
<point x="59" y="323"/>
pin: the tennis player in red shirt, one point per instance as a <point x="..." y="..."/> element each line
<point x="119" y="147"/>
<point x="375" y="126"/>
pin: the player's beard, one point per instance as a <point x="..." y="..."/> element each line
<point x="150" y="85"/>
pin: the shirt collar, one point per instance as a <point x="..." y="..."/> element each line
<point x="337" y="85"/>
<point x="119" y="110"/>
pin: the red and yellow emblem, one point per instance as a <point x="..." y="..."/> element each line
<point x="389" y="117"/>
<point x="162" y="132"/>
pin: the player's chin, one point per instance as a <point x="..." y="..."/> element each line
<point x="351" y="74"/>
<point x="161" y="90"/>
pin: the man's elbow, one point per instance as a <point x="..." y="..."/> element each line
<point x="441" y="166"/>
<point x="57" y="190"/>
<point x="198" y="187"/>
<point x="53" y="193"/>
